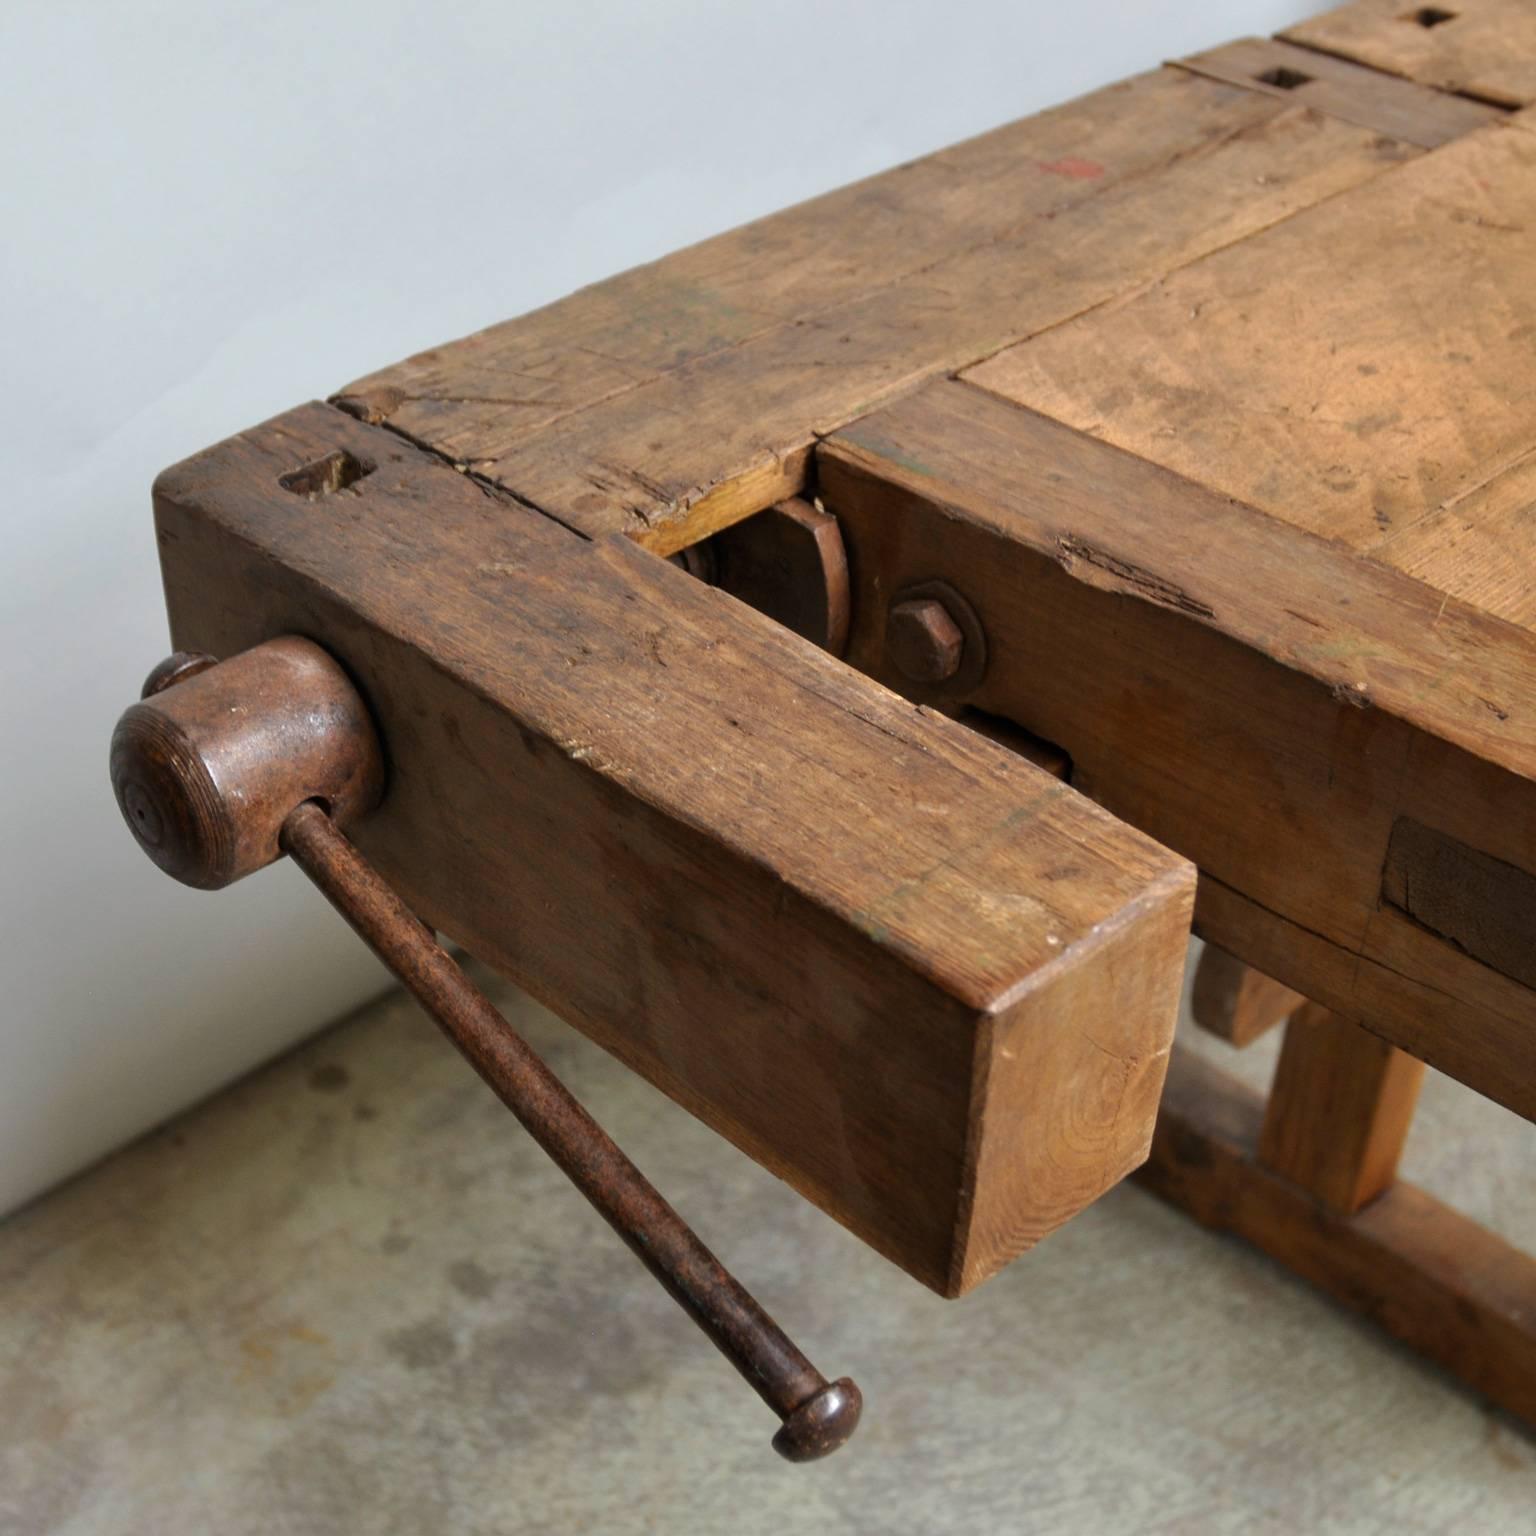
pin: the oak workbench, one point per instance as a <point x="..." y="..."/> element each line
<point x="859" y="629"/>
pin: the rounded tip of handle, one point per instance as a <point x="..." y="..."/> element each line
<point x="822" y="1423"/>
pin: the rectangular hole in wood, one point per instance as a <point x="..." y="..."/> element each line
<point x="1430" y="16"/>
<point x="1285" y="79"/>
<point x="1483" y="905"/>
<point x="335" y="472"/>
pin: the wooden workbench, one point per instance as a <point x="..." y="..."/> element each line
<point x="1196" y="420"/>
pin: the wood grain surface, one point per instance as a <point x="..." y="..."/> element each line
<point x="1351" y="371"/>
<point x="1484" y="49"/>
<point x="681" y="397"/>
<point x="1257" y="697"/>
<point x="1403" y="109"/>
<point x="925" y="981"/>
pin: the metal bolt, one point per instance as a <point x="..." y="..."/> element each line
<point x="923" y="640"/>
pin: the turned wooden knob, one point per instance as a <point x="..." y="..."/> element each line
<point x="207" y="769"/>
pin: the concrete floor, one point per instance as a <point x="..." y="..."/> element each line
<point x="348" y="1295"/>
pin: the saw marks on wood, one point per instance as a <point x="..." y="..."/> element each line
<point x="1480" y="547"/>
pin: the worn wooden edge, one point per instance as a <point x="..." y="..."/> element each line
<point x="378" y="396"/>
<point x="262" y="568"/>
<point x="1496" y="65"/>
<point x="944" y="472"/>
<point x="1445" y="1286"/>
<point x="1322" y="611"/>
<point x="1130" y="976"/>
<point x="1338" y="87"/>
<point x="597" y="465"/>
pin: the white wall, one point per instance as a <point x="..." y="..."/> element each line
<point x="209" y="213"/>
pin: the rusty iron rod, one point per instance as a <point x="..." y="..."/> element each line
<point x="818" y="1415"/>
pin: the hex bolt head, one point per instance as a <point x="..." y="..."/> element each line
<point x="923" y="641"/>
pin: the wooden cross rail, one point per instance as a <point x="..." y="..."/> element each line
<point x="1185" y="436"/>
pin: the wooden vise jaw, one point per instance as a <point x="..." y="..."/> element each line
<point x="927" y="983"/>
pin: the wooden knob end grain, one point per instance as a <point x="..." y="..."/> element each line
<point x="207" y="768"/>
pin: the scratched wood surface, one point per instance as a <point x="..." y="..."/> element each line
<point x="735" y="354"/>
<point x="1403" y="109"/>
<point x="1484" y="49"/>
<point x="1295" y="719"/>
<point x="924" y="980"/>
<point x="1354" y="371"/>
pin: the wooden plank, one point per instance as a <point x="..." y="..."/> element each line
<point x="1445" y="1286"/>
<point x="474" y="397"/>
<point x="1486" y="1045"/>
<point x="1349" y="370"/>
<point x="726" y="430"/>
<point x="1480" y="48"/>
<point x="1404" y="382"/>
<point x="926" y="983"/>
<point x="1256" y="697"/>
<point x="1339" y="1110"/>
<point x="1234" y="1001"/>
<point x="1416" y="114"/>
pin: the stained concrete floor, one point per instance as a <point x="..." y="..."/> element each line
<point x="348" y="1295"/>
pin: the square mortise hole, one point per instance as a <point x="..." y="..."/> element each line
<point x="1430" y="16"/>
<point x="1286" y="79"/>
<point x="335" y="472"/>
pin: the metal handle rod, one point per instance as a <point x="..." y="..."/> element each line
<point x="818" y="1415"/>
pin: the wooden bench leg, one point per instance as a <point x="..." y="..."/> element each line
<point x="1237" y="1002"/>
<point x="1310" y="1183"/>
<point x="1339" y="1110"/>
